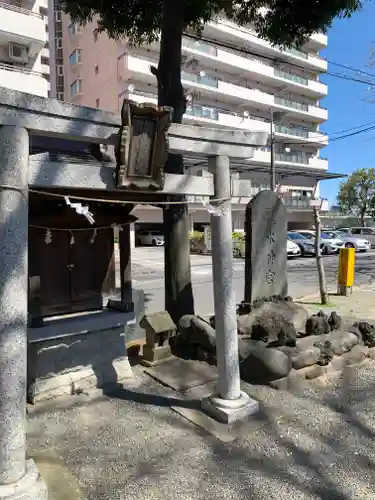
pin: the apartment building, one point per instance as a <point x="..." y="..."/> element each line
<point x="24" y="48"/>
<point x="233" y="79"/>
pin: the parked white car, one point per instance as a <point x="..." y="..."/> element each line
<point x="350" y="241"/>
<point x="360" y="232"/>
<point x="292" y="249"/>
<point x="330" y="245"/>
<point x="149" y="238"/>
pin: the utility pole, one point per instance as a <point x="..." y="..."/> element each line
<point x="273" y="171"/>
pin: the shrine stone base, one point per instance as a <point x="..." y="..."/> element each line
<point x="68" y="356"/>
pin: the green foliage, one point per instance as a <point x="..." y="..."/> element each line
<point x="285" y="23"/>
<point x="196" y="235"/>
<point x="357" y="194"/>
<point x="238" y="236"/>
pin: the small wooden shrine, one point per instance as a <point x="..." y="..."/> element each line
<point x="71" y="261"/>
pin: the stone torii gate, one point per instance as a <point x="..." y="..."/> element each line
<point x="23" y="115"/>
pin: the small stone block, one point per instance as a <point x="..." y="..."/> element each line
<point x="118" y="305"/>
<point x="30" y="487"/>
<point x="156" y="354"/>
<point x="230" y="415"/>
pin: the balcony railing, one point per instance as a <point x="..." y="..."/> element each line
<point x="291" y="104"/>
<point x="291" y="76"/>
<point x="301" y="201"/>
<point x="299" y="132"/>
<point x="208" y="80"/>
<point x="296" y="52"/>
<point x="205" y="48"/>
<point x="19" y="69"/>
<point x="203" y="112"/>
<point x="292" y="158"/>
<point x="21" y="10"/>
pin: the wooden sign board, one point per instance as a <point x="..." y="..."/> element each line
<point x="142" y="148"/>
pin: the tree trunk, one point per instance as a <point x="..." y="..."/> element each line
<point x="319" y="260"/>
<point x="362" y="219"/>
<point x="178" y="288"/>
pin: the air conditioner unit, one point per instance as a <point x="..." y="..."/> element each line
<point x="18" y="53"/>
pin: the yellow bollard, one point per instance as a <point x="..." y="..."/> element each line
<point x="346" y="271"/>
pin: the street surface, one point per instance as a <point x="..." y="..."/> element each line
<point x="148" y="273"/>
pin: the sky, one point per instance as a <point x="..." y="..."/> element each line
<point x="349" y="43"/>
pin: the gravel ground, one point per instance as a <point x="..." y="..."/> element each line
<point x="316" y="444"/>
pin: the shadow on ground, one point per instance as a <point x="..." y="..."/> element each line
<point x="316" y="444"/>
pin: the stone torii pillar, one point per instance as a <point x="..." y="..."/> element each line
<point x="19" y="478"/>
<point x="230" y="403"/>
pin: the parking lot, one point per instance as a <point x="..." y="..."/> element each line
<point x="148" y="273"/>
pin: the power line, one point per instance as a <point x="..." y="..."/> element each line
<point x="271" y="58"/>
<point x="353" y="134"/>
<point x="352" y="128"/>
<point x="350" y="68"/>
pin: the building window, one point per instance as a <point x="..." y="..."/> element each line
<point x="97" y="103"/>
<point x="73" y="29"/>
<point x="97" y="70"/>
<point x="76" y="88"/>
<point x="59" y="43"/>
<point x="60" y="96"/>
<point x="44" y="60"/>
<point x="75" y="57"/>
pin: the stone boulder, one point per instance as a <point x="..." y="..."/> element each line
<point x="317" y="324"/>
<point x="195" y="330"/>
<point x="264" y="364"/>
<point x="306" y="358"/>
<point x="367" y="333"/>
<point x="275" y="323"/>
<point x="342" y="341"/>
<point x="334" y="321"/>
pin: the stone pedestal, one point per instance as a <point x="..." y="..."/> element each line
<point x="155" y="355"/>
<point x="233" y="410"/>
<point x="18" y="479"/>
<point x="159" y="330"/>
<point x="230" y="404"/>
<point x="30" y="487"/>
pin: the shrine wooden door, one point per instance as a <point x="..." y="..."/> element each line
<point x="92" y="271"/>
<point x="74" y="274"/>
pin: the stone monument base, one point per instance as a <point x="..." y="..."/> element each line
<point x="230" y="411"/>
<point x="30" y="487"/>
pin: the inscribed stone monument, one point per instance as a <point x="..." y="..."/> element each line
<point x="266" y="247"/>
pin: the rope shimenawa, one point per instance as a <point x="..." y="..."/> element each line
<point x="215" y="201"/>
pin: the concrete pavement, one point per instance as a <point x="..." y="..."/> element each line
<point x="315" y="444"/>
<point x="148" y="273"/>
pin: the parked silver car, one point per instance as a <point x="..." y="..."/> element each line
<point x="350" y="241"/>
<point x="367" y="233"/>
<point x="328" y="245"/>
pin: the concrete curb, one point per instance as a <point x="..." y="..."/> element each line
<point x="356" y="288"/>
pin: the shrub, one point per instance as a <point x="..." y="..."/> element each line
<point x="239" y="236"/>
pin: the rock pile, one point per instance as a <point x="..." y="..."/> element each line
<point x="279" y="340"/>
